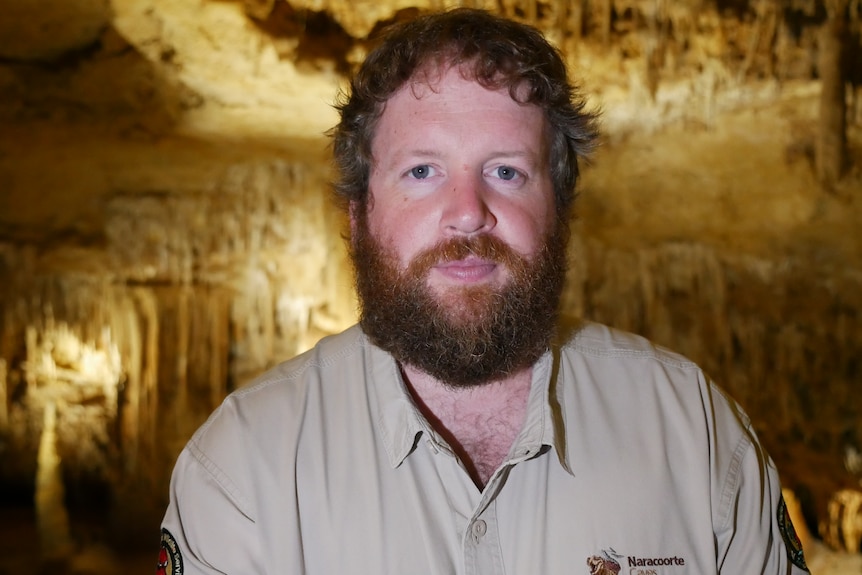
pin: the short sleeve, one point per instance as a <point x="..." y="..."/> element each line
<point x="205" y="530"/>
<point x="757" y="535"/>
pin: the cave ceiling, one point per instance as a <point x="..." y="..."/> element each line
<point x="95" y="78"/>
<point x="234" y="51"/>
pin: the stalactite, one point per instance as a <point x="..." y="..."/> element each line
<point x="604" y="14"/>
<point x="575" y="21"/>
<point x="531" y="12"/>
<point x="181" y="343"/>
<point x="762" y="32"/>
<point x="218" y="330"/>
<point x="831" y="150"/>
<point x="129" y="332"/>
<point x="145" y="406"/>
<point x="254" y="330"/>
<point x="654" y="45"/>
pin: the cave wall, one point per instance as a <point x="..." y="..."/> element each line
<point x="166" y="231"/>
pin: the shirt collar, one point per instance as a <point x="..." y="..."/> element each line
<point x="398" y="419"/>
<point x="544" y="424"/>
<point x="400" y="422"/>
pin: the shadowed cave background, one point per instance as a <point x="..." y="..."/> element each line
<point x="166" y="231"/>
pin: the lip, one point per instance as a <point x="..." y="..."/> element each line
<point x="467" y="270"/>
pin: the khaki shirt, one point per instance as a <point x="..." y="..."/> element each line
<point x="629" y="461"/>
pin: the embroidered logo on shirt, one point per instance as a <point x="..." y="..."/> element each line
<point x="610" y="563"/>
<point x="604" y="564"/>
<point x="170" y="560"/>
<point x="791" y="539"/>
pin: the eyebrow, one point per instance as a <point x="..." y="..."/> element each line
<point x="494" y="154"/>
<point x="419" y="152"/>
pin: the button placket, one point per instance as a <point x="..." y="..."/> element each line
<point x="482" y="551"/>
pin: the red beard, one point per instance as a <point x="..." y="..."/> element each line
<point x="467" y="336"/>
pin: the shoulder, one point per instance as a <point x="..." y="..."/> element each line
<point x="280" y="398"/>
<point x="329" y="355"/>
<point x="273" y="414"/>
<point x="321" y="365"/>
<point x="621" y="364"/>
<point x="638" y="392"/>
<point x="594" y="340"/>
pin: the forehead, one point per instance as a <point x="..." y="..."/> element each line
<point x="431" y="75"/>
<point x="439" y="92"/>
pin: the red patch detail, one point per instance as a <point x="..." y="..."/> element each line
<point x="170" y="559"/>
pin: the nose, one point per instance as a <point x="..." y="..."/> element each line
<point x="466" y="210"/>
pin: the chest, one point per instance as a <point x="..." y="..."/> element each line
<point x="479" y="427"/>
<point x="484" y="442"/>
<point x="426" y="516"/>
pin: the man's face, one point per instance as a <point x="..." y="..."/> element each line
<point x="455" y="160"/>
<point x="459" y="255"/>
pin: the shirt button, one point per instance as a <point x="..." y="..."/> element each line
<point x="479" y="529"/>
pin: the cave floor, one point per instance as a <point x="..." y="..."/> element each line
<point x="19" y="552"/>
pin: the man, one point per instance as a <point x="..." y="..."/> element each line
<point x="459" y="428"/>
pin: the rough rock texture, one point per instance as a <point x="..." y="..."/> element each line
<point x="47" y="31"/>
<point x="166" y="232"/>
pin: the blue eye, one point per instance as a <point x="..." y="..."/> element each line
<point x="421" y="172"/>
<point x="507" y="173"/>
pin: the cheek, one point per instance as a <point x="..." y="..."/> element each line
<point x="546" y="218"/>
<point x="527" y="230"/>
<point x="395" y="232"/>
<point x="401" y="216"/>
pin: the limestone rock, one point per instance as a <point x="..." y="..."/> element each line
<point x="166" y="233"/>
<point x="47" y="30"/>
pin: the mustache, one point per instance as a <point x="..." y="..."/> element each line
<point x="484" y="246"/>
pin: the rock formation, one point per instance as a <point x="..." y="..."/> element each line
<point x="166" y="231"/>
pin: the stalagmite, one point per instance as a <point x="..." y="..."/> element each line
<point x="4" y="402"/>
<point x="843" y="527"/>
<point x="52" y="518"/>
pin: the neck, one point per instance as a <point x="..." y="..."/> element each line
<point x="479" y="423"/>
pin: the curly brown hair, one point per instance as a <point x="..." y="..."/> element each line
<point x="493" y="51"/>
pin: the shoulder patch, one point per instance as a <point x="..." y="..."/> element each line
<point x="170" y="560"/>
<point x="788" y="534"/>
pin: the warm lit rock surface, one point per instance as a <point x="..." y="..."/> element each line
<point x="166" y="232"/>
<point x="47" y="30"/>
